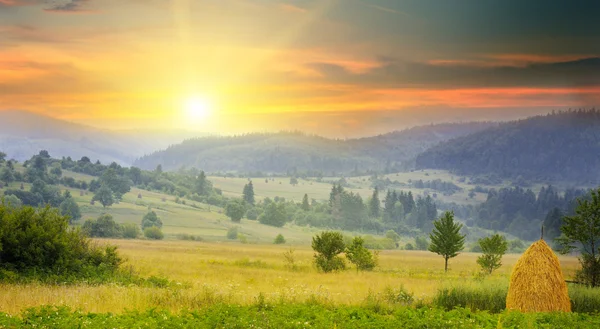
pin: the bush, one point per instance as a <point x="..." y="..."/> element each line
<point x="279" y="239"/>
<point x="235" y="210"/>
<point x="328" y="245"/>
<point x="360" y="256"/>
<point x="39" y="244"/>
<point x="232" y="233"/>
<point x="189" y="237"/>
<point x="252" y="214"/>
<point x="479" y="297"/>
<point x="103" y="227"/>
<point x="153" y="233"/>
<point x="130" y="231"/>
<point x="151" y="219"/>
<point x="274" y="214"/>
<point x="421" y="243"/>
<point x="409" y="246"/>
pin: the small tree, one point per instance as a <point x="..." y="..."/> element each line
<point x="279" y="239"/>
<point x="249" y="193"/>
<point x="274" y="215"/>
<point x="103" y="227"/>
<point x="235" y="210"/>
<point x="305" y="205"/>
<point x="328" y="245"/>
<point x="151" y="219"/>
<point x="493" y="248"/>
<point x="104" y="195"/>
<point x="130" y="230"/>
<point x="7" y="176"/>
<point x="232" y="233"/>
<point x="375" y="204"/>
<point x="581" y="232"/>
<point x="294" y="181"/>
<point x="70" y="208"/>
<point x="446" y="239"/>
<point x="360" y="256"/>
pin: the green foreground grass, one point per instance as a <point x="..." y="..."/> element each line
<point x="306" y="315"/>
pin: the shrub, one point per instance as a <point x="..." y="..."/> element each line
<point x="235" y="210"/>
<point x="252" y="214"/>
<point x="328" y="245"/>
<point x="103" y="227"/>
<point x="421" y="243"/>
<point x="409" y="246"/>
<point x="279" y="239"/>
<point x="40" y="244"/>
<point x="360" y="256"/>
<point x="153" y="233"/>
<point x="151" y="219"/>
<point x="130" y="231"/>
<point x="189" y="237"/>
<point x="232" y="233"/>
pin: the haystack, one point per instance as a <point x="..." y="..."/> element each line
<point x="537" y="283"/>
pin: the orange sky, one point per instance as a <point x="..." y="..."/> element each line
<point x="132" y="64"/>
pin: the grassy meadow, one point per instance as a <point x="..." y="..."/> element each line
<point x="206" y="273"/>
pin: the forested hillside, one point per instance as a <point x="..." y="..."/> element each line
<point x="296" y="152"/>
<point x="558" y="147"/>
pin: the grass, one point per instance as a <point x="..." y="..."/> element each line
<point x="236" y="273"/>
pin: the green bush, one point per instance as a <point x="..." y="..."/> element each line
<point x="103" y="227"/>
<point x="279" y="239"/>
<point x="360" y="256"/>
<point x="38" y="244"/>
<point x="409" y="246"/>
<point x="232" y="233"/>
<point x="153" y="233"/>
<point x="328" y="245"/>
<point x="189" y="237"/>
<point x="130" y="231"/>
<point x="151" y="219"/>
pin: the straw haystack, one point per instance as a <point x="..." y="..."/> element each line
<point x="537" y="283"/>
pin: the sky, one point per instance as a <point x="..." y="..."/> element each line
<point x="339" y="68"/>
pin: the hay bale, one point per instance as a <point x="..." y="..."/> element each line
<point x="537" y="283"/>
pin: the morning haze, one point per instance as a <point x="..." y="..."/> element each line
<point x="299" y="164"/>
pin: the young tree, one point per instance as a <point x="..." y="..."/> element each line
<point x="305" y="205"/>
<point x="581" y="232"/>
<point x="493" y="248"/>
<point x="104" y="195"/>
<point x="151" y="219"/>
<point x="375" y="204"/>
<point x="70" y="208"/>
<point x="249" y="193"/>
<point x="279" y="239"/>
<point x="235" y="210"/>
<point x="446" y="239"/>
<point x="360" y="256"/>
<point x="328" y="245"/>
<point x="294" y="181"/>
<point x="274" y="215"/>
<point x="7" y="176"/>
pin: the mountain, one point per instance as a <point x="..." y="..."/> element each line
<point x="561" y="147"/>
<point x="24" y="133"/>
<point x="290" y="151"/>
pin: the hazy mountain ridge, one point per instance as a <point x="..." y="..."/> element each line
<point x="563" y="146"/>
<point x="24" y="133"/>
<point x="289" y="151"/>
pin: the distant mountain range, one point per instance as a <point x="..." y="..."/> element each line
<point x="23" y="134"/>
<point x="558" y="147"/>
<point x="292" y="151"/>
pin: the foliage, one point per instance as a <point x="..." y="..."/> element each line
<point x="248" y="193"/>
<point x="151" y="219"/>
<point x="328" y="245"/>
<point x="421" y="243"/>
<point x="446" y="239"/>
<point x="235" y="210"/>
<point x="361" y="257"/>
<point x="274" y="214"/>
<point x="130" y="231"/>
<point x="252" y="213"/>
<point x="392" y="235"/>
<point x="39" y="243"/>
<point x="102" y="227"/>
<point x="375" y="204"/>
<point x="154" y="233"/>
<point x="290" y="259"/>
<point x="305" y="205"/>
<point x="70" y="208"/>
<point x="279" y="239"/>
<point x="493" y="248"/>
<point x="540" y="148"/>
<point x="232" y="233"/>
<point x="581" y="232"/>
<point x="104" y="195"/>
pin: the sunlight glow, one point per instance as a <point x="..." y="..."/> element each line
<point x="198" y="108"/>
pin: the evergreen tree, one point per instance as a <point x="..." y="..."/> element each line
<point x="249" y="193"/>
<point x="446" y="239"/>
<point x="375" y="204"/>
<point x="305" y="205"/>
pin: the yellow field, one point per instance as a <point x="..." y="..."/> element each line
<point x="232" y="272"/>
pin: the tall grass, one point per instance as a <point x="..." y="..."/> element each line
<point x="492" y="297"/>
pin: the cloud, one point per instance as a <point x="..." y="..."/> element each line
<point x="50" y="5"/>
<point x="291" y="8"/>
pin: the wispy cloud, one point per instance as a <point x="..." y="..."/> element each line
<point x="287" y="7"/>
<point x="71" y="6"/>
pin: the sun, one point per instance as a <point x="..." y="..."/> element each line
<point x="198" y="108"/>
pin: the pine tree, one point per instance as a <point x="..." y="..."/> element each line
<point x="375" y="204"/>
<point x="249" y="193"/>
<point x="446" y="239"/>
<point x="305" y="205"/>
